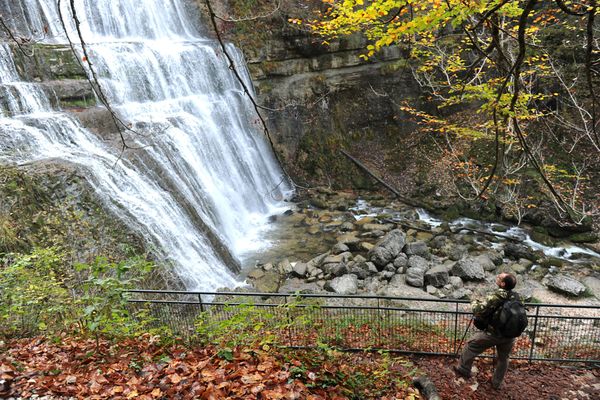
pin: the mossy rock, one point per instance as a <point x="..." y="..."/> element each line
<point x="499" y="228"/>
<point x="451" y="213"/>
<point x="319" y="203"/>
<point x="585" y="237"/>
<point x="548" y="262"/>
<point x="542" y="238"/>
<point x="268" y="283"/>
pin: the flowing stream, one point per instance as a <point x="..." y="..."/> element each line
<point x="204" y="180"/>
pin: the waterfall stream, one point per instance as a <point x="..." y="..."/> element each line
<point x="203" y="174"/>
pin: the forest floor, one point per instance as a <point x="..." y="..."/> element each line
<point x="538" y="380"/>
<point x="65" y="368"/>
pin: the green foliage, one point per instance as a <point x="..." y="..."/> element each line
<point x="39" y="295"/>
<point x="238" y="325"/>
<point x="33" y="296"/>
<point x="103" y="304"/>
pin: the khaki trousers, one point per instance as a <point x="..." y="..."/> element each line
<point x="478" y="344"/>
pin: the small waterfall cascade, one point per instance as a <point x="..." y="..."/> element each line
<point x="203" y="177"/>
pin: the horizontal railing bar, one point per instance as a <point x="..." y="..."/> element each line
<point x="283" y="305"/>
<point x="165" y="302"/>
<point x="339" y="296"/>
<point x="292" y="295"/>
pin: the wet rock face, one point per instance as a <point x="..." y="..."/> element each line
<point x="51" y="203"/>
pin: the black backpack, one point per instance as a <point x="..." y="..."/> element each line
<point x="510" y="320"/>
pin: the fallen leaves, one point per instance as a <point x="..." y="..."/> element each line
<point x="141" y="369"/>
<point x="523" y="381"/>
<point x="138" y="369"/>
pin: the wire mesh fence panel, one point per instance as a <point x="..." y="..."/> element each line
<point x="564" y="333"/>
<point x="554" y="333"/>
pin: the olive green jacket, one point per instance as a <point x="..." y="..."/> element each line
<point x="486" y="307"/>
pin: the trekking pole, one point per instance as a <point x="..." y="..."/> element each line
<point x="463" y="338"/>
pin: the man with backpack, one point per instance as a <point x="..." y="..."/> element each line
<point x="501" y="317"/>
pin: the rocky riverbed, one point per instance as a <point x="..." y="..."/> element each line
<point x="343" y="243"/>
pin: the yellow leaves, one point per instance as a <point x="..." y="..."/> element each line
<point x="175" y="379"/>
<point x="117" y="390"/>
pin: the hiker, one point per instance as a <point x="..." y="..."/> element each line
<point x="501" y="317"/>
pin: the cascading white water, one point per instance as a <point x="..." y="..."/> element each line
<point x="203" y="164"/>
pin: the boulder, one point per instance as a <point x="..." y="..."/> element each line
<point x="437" y="276"/>
<point x="431" y="290"/>
<point x="285" y="267"/>
<point x="372" y="268"/>
<point x="317" y="261"/>
<point x="347" y="226"/>
<point x="438" y="242"/>
<point x="388" y="248"/>
<point x="415" y="276"/>
<point x="418" y="248"/>
<point x="418" y="262"/>
<point x="518" y="268"/>
<point x="359" y="258"/>
<point x="268" y="283"/>
<point x="386" y="275"/>
<point x="565" y="284"/>
<point x="456" y="282"/>
<point x="360" y="269"/>
<point x="345" y="284"/>
<point x="401" y="262"/>
<point x="350" y="240"/>
<point x="373" y="285"/>
<point x="469" y="269"/>
<point x="454" y="251"/>
<point x="343" y="257"/>
<point x="496" y="257"/>
<point x="339" y="248"/>
<point x="256" y="273"/>
<point x="486" y="262"/>
<point x="593" y="284"/>
<point x="365" y="246"/>
<point x="389" y="267"/>
<point x="335" y="269"/>
<point x="299" y="269"/>
<point x="516" y="251"/>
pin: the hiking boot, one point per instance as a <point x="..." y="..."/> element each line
<point x="461" y="372"/>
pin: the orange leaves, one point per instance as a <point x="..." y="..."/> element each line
<point x="138" y="369"/>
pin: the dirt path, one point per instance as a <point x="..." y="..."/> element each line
<point x="524" y="381"/>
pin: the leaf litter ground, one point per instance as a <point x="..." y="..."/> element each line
<point x="144" y="369"/>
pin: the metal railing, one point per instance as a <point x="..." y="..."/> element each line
<point x="556" y="332"/>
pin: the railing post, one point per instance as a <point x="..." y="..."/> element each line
<point x="289" y="321"/>
<point x="456" y="328"/>
<point x="380" y="320"/>
<point x="533" y="335"/>
<point x="201" y="303"/>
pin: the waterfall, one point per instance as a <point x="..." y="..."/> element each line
<point x="202" y="178"/>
